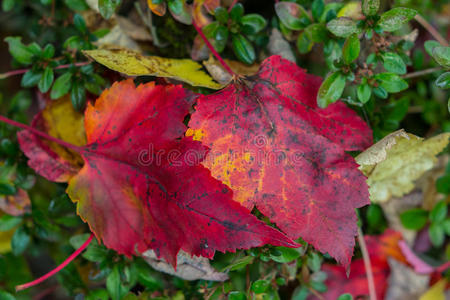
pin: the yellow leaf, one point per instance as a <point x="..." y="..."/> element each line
<point x="394" y="163"/>
<point x="351" y="10"/>
<point x="5" y="241"/>
<point x="134" y="64"/>
<point x="436" y="292"/>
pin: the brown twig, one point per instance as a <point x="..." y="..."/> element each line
<point x="232" y="5"/>
<point x="22" y="71"/>
<point x="431" y="30"/>
<point x="367" y="265"/>
<point x="421" y="73"/>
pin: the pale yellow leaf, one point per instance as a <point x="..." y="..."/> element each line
<point x="134" y="64"/>
<point x="394" y="163"/>
<point x="436" y="292"/>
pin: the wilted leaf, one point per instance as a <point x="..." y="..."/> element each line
<point x="16" y="205"/>
<point x="117" y="38"/>
<point x="158" y="9"/>
<point x="396" y="161"/>
<point x="222" y="76"/>
<point x="134" y="64"/>
<point x="188" y="267"/>
<point x="279" y="46"/>
<point x="281" y="153"/>
<point x="48" y="159"/>
<point x="5" y="241"/>
<point x="141" y="187"/>
<point x="436" y="292"/>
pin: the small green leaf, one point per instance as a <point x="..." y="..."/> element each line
<point x="46" y="80"/>
<point x="20" y="241"/>
<point x="49" y="51"/>
<point x="350" y="51"/>
<point x="243" y="49"/>
<point x="6" y="296"/>
<point x="439" y="212"/>
<point x="391" y="82"/>
<point x="61" y="86"/>
<point x="98" y="295"/>
<point x="442" y="56"/>
<point x="236" y="295"/>
<point x="370" y="7"/>
<point x="79" y="23"/>
<point x="292" y="15"/>
<point x="114" y="284"/>
<point x="314" y="262"/>
<point x="414" y="219"/>
<point x="8" y="5"/>
<point x="30" y="78"/>
<point x="345" y="297"/>
<point x="260" y="286"/>
<point x="8" y="222"/>
<point x="286" y="254"/>
<point x="331" y="89"/>
<point x="254" y="21"/>
<point x="317" y="9"/>
<point x="180" y="11"/>
<point x="239" y="263"/>
<point x="221" y="14"/>
<point x="237" y="12"/>
<point x="7" y="188"/>
<point x="364" y="91"/>
<point x="342" y="27"/>
<point x="395" y="18"/>
<point x="380" y="92"/>
<point x="304" y="42"/>
<point x="76" y="5"/>
<point x="317" y="32"/>
<point x="446" y="226"/>
<point x="430" y="45"/>
<point x="443" y="81"/>
<point x="443" y="184"/>
<point x="19" y="51"/>
<point x="392" y="62"/>
<point x="437" y="234"/>
<point x="78" y="95"/>
<point x="108" y="7"/>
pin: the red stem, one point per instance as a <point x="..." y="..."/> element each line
<point x="232" y="4"/>
<point x="22" y="71"/>
<point x="42" y="134"/>
<point x="211" y="47"/>
<point x="58" y="268"/>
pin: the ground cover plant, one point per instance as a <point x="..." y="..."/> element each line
<point x="223" y="149"/>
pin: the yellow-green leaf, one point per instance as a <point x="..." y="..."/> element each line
<point x="134" y="64"/>
<point x="436" y="292"/>
<point x="394" y="163"/>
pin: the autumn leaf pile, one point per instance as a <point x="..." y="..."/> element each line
<point x="147" y="181"/>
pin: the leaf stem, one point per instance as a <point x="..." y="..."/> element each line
<point x="421" y="72"/>
<point x="367" y="265"/>
<point x="214" y="52"/>
<point x="232" y="4"/>
<point x="58" y="268"/>
<point x="431" y="30"/>
<point x="41" y="134"/>
<point x="22" y="71"/>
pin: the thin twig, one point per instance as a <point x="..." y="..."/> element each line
<point x="214" y="52"/>
<point x="421" y="73"/>
<point x="22" y="71"/>
<point x="41" y="134"/>
<point x="367" y="265"/>
<point x="431" y="30"/>
<point x="316" y="293"/>
<point x="58" y="268"/>
<point x="232" y="5"/>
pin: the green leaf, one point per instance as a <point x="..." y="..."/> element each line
<point x="260" y="286"/>
<point x="114" y="284"/>
<point x="414" y="219"/>
<point x="49" y="51"/>
<point x="443" y="184"/>
<point x="304" y="42"/>
<point x="380" y="92"/>
<point x="392" y="62"/>
<point x="446" y="226"/>
<point x="292" y="15"/>
<point x="370" y="7"/>
<point x="98" y="295"/>
<point x="76" y="5"/>
<point x="441" y="55"/>
<point x="19" y="51"/>
<point x="7" y="188"/>
<point x="254" y="21"/>
<point x="314" y="262"/>
<point x="61" y="86"/>
<point x="8" y="5"/>
<point x="243" y="49"/>
<point x="317" y="32"/>
<point x="364" y="91"/>
<point x="236" y="295"/>
<point x="239" y="263"/>
<point x="439" y="212"/>
<point x="221" y="14"/>
<point x="374" y="215"/>
<point x="6" y="296"/>
<point x="350" y="51"/>
<point x="46" y="80"/>
<point x="237" y="12"/>
<point x="78" y="95"/>
<point x="317" y="9"/>
<point x="30" y="78"/>
<point x="345" y="297"/>
<point x="342" y="27"/>
<point x="443" y="81"/>
<point x="8" y="222"/>
<point x="430" y="45"/>
<point x="20" y="241"/>
<point x="391" y="82"/>
<point x="108" y="7"/>
<point x="437" y="234"/>
<point x="395" y="18"/>
<point x="286" y="254"/>
<point x="79" y="23"/>
<point x="331" y="89"/>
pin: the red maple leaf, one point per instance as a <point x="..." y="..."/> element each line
<point x="277" y="150"/>
<point x="142" y="186"/>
